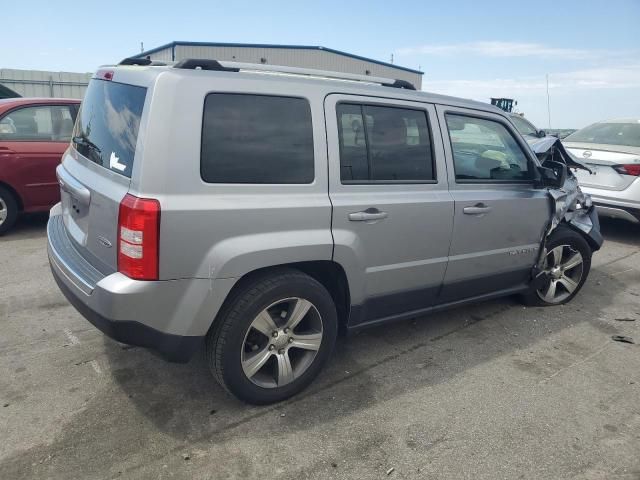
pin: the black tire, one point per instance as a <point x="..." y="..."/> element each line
<point x="226" y="340"/>
<point x="563" y="235"/>
<point x="8" y="202"/>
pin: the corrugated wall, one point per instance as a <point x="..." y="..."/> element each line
<point x="164" y="55"/>
<point x="305" y="58"/>
<point x="38" y="83"/>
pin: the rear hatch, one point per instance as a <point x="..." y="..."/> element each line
<point x="95" y="174"/>
<point x="602" y="160"/>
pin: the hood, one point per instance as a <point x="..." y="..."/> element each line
<point x="551" y="148"/>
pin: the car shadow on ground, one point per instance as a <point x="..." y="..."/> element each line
<point x="621" y="231"/>
<point x="373" y="366"/>
<point x="27" y="226"/>
<point x="185" y="401"/>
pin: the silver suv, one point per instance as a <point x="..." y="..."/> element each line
<point x="259" y="210"/>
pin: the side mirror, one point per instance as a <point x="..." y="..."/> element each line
<point x="552" y="174"/>
<point x="542" y="134"/>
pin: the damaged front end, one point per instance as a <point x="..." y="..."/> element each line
<point x="569" y="204"/>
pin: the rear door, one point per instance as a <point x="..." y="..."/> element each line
<point x="392" y="212"/>
<point x="35" y="137"/>
<point x="96" y="171"/>
<point x="499" y="216"/>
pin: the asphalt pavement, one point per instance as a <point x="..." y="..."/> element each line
<point x="487" y="391"/>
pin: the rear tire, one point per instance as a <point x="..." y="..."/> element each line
<point x="272" y="337"/>
<point x="567" y="264"/>
<point x="8" y="210"/>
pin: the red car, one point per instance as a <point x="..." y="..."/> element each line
<point x="34" y="133"/>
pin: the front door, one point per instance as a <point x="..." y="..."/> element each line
<point x="392" y="212"/>
<point x="500" y="217"/>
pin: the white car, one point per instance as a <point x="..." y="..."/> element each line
<point x="611" y="149"/>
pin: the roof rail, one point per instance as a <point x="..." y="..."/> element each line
<point x="140" y="61"/>
<point x="202" y="64"/>
<point x="215" y="65"/>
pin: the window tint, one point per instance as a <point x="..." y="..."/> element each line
<point x="256" y="139"/>
<point x="485" y="150"/>
<point x="383" y="144"/>
<point x="107" y="128"/>
<point x="47" y="123"/>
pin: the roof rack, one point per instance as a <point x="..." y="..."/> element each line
<point x="140" y="61"/>
<point x="223" y="66"/>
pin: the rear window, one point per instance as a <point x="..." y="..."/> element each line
<point x="624" y="134"/>
<point x="107" y="127"/>
<point x="256" y="139"/>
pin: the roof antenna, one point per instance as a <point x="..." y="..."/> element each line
<point x="392" y="58"/>
<point x="141" y="47"/>
<point x="548" y="102"/>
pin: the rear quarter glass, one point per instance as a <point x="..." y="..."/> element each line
<point x="260" y="139"/>
<point x="107" y="127"/>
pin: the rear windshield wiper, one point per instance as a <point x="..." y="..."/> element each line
<point x="85" y="142"/>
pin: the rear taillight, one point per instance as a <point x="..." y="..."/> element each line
<point x="628" y="169"/>
<point x="138" y="237"/>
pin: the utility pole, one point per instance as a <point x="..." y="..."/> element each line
<point x="548" y="103"/>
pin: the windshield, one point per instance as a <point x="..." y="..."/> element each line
<point x="523" y="126"/>
<point x="627" y="134"/>
<point x="107" y="127"/>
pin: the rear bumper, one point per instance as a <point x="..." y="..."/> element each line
<point x="170" y="317"/>
<point x="623" y="204"/>
<point x="615" y="211"/>
<point x="173" y="348"/>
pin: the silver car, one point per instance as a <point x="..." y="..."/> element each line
<point x="258" y="210"/>
<point x="611" y="149"/>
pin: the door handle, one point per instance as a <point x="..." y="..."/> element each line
<point x="477" y="209"/>
<point x="6" y="151"/>
<point x="368" y="215"/>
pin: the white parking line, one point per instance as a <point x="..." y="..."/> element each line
<point x="96" y="366"/>
<point x="73" y="340"/>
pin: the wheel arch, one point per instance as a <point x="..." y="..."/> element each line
<point x="594" y="241"/>
<point x="15" y="194"/>
<point x="328" y="273"/>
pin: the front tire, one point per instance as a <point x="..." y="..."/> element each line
<point x="566" y="265"/>
<point x="272" y="337"/>
<point x="8" y="210"/>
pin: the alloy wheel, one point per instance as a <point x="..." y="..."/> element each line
<point x="281" y="342"/>
<point x="4" y="211"/>
<point x="564" y="267"/>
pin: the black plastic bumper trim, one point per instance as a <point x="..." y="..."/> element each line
<point x="173" y="348"/>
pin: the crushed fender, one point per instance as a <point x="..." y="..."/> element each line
<point x="569" y="203"/>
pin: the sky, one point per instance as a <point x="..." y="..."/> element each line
<point x="590" y="49"/>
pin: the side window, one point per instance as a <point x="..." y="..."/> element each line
<point x="47" y="123"/>
<point x="384" y="144"/>
<point x="256" y="139"/>
<point x="485" y="150"/>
